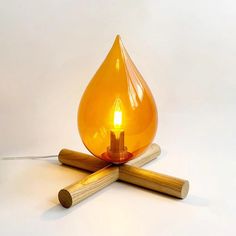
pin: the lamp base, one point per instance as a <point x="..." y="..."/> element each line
<point x="117" y="158"/>
<point x="106" y="173"/>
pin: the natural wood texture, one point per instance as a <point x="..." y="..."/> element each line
<point x="155" y="181"/>
<point x="109" y="173"/>
<point x="81" y="160"/>
<point x="150" y="154"/>
<point x="82" y="189"/>
<point x="91" y="163"/>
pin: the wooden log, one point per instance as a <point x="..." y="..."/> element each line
<point x="150" y="154"/>
<point x="91" y="163"/>
<point x="155" y="181"/>
<point x="82" y="189"/>
<point x="129" y="172"/>
<point x="81" y="160"/>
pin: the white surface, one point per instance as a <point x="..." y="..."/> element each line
<point x="186" y="52"/>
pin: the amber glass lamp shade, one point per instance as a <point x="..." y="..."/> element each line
<point x="117" y="117"/>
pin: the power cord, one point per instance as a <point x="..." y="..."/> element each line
<point x="27" y="157"/>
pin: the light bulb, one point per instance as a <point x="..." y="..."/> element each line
<point x="117" y="119"/>
<point x="117" y="116"/>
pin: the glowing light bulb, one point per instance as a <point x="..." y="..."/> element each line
<point x="117" y="117"/>
<point x="117" y="114"/>
<point x="117" y="151"/>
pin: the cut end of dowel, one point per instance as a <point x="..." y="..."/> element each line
<point x="184" y="190"/>
<point x="65" y="198"/>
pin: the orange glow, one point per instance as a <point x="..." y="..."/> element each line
<point x="117" y="97"/>
<point x="117" y="115"/>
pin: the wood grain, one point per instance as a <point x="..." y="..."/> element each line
<point x="81" y="160"/>
<point x="129" y="172"/>
<point x="155" y="181"/>
<point x="109" y="173"/>
<point x="91" y="163"/>
<point x="150" y="154"/>
<point x="82" y="189"/>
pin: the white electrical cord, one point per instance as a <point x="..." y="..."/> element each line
<point x="27" y="157"/>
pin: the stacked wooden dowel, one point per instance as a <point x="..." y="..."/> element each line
<point x="105" y="174"/>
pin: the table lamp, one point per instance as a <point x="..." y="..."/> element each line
<point x="117" y="121"/>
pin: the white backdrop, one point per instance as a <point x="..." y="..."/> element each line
<point x="186" y="52"/>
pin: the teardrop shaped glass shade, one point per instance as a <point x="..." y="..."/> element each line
<point x="117" y="98"/>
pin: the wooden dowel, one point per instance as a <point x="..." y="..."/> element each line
<point x="82" y="189"/>
<point x="159" y="182"/>
<point x="150" y="154"/>
<point x="81" y="160"/>
<point x="91" y="163"/>
<point x="128" y="172"/>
